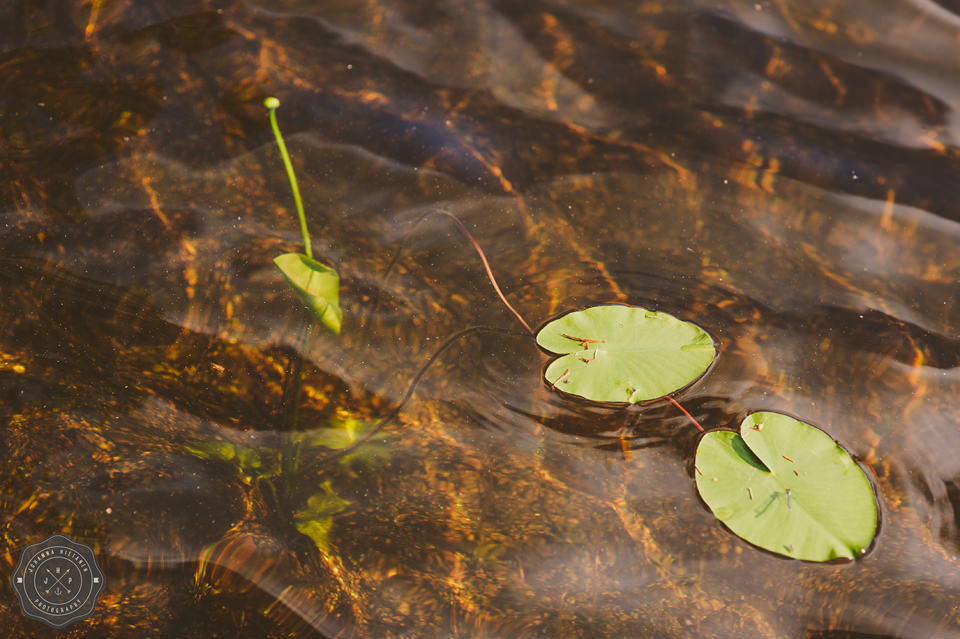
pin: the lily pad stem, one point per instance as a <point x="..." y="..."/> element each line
<point x="486" y="265"/>
<point x="272" y="103"/>
<point x="684" y="411"/>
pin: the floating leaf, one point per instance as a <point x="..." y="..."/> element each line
<point x="316" y="518"/>
<point x="616" y="353"/>
<point x="317" y="285"/>
<point x="788" y="487"/>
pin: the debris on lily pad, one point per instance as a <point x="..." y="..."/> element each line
<point x="624" y="354"/>
<point x="788" y="487"/>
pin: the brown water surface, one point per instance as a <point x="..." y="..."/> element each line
<point x="782" y="173"/>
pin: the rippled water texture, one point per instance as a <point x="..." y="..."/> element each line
<point x="782" y="173"/>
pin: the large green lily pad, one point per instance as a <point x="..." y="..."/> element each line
<point x="318" y="286"/>
<point x="616" y="353"/>
<point x="786" y="486"/>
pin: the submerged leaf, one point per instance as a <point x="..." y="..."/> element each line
<point x="786" y="486"/>
<point x="616" y="353"/>
<point x="339" y="433"/>
<point x="215" y="449"/>
<point x="316" y="518"/>
<point x="317" y="285"/>
<point x="246" y="460"/>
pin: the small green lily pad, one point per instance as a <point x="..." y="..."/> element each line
<point x="788" y="487"/>
<point x="616" y="353"/>
<point x="317" y="285"/>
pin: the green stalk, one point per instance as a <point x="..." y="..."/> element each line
<point x="272" y="103"/>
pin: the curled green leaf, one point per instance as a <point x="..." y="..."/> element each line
<point x="318" y="286"/>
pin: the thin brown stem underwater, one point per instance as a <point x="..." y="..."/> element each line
<point x="486" y="265"/>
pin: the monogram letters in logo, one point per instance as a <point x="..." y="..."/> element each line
<point x="58" y="581"/>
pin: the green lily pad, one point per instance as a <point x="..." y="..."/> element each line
<point x="616" y="353"/>
<point x="317" y="285"/>
<point x="787" y="487"/>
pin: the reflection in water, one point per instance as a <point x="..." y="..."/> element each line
<point x="780" y="173"/>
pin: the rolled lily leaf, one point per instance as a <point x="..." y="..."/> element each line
<point x="317" y="285"/>
<point x="788" y="487"/>
<point x="624" y="354"/>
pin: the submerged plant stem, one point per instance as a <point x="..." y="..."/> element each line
<point x="272" y="104"/>
<point x="684" y="411"/>
<point x="450" y="341"/>
<point x="486" y="265"/>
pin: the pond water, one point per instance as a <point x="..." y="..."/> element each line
<point x="782" y="173"/>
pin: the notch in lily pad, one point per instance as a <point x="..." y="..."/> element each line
<point x="788" y="487"/>
<point x="316" y="284"/>
<point x="624" y="354"/>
